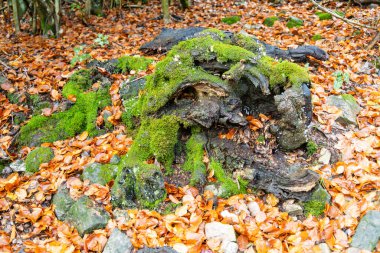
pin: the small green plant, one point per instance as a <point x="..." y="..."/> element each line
<point x="340" y="78"/>
<point x="102" y="40"/>
<point x="323" y="15"/>
<point x="294" y="22"/>
<point x="75" y="6"/>
<point x="231" y="20"/>
<point x="79" y="56"/>
<point x="270" y="21"/>
<point x="311" y="148"/>
<point x="261" y="139"/>
<point x="316" y="37"/>
<point x="314" y="207"/>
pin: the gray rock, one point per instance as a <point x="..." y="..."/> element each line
<point x="118" y="242"/>
<point x="367" y="232"/>
<point x="324" y="156"/>
<point x="164" y="249"/>
<point x="123" y="190"/>
<point x="221" y="231"/>
<point x="62" y="202"/>
<point x="85" y="216"/>
<point x="115" y="159"/>
<point x="348" y="105"/>
<point x="320" y="194"/>
<point x="229" y="247"/>
<point x="18" y="166"/>
<point x="292" y="208"/>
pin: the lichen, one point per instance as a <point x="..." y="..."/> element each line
<point x="127" y="63"/>
<point x="80" y="117"/>
<point x="229" y="186"/>
<point x="36" y="157"/>
<point x="194" y="157"/>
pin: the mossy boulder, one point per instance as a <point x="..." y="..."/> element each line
<point x="98" y="173"/>
<point x="80" y="117"/>
<point x="38" y="156"/>
<point x="83" y="213"/>
<point x="348" y="105"/>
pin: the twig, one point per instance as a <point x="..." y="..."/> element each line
<point x="351" y="22"/>
<point x="374" y="41"/>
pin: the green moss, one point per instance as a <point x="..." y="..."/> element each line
<point x="349" y="98"/>
<point x="127" y="63"/>
<point x="229" y="186"/>
<point x="215" y="33"/>
<point x="79" y="82"/>
<point x="288" y="74"/>
<point x="270" y="21"/>
<point x="98" y="173"/>
<point x="314" y="207"/>
<point x="194" y="157"/>
<point x="316" y="37"/>
<point x="260" y="139"/>
<point x="38" y="156"/>
<point x="294" y="22"/>
<point x="311" y="148"/>
<point x="170" y="208"/>
<point x="247" y="42"/>
<point x="231" y="20"/>
<point x="323" y="15"/>
<point x="155" y="138"/>
<point x="34" y="99"/>
<point x="149" y="186"/>
<point x="80" y="117"/>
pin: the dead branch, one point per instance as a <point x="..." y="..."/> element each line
<point x="373" y="41"/>
<point x="351" y="22"/>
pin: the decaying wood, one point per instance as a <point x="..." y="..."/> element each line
<point x="171" y="37"/>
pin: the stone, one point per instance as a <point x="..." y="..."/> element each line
<point x="115" y="159"/>
<point x="123" y="190"/>
<point x="324" y="156"/>
<point x="85" y="216"/>
<point x="18" y="166"/>
<point x="118" y="242"/>
<point x="218" y="230"/>
<point x="229" y="247"/>
<point x="324" y="248"/>
<point x="253" y="208"/>
<point x="98" y="173"/>
<point x="349" y="107"/>
<point x="367" y="233"/>
<point x="292" y="208"/>
<point x="164" y="249"/>
<point x="62" y="202"/>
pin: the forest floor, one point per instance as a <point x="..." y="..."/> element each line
<point x="36" y="64"/>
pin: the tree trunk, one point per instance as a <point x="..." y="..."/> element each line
<point x="16" y="18"/>
<point x="57" y="16"/>
<point x="165" y="11"/>
<point x="88" y="8"/>
<point x="34" y="21"/>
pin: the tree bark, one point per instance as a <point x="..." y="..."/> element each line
<point x="16" y="18"/>
<point x="57" y="16"/>
<point x="165" y="11"/>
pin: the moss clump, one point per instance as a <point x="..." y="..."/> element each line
<point x="270" y="21"/>
<point x="37" y="157"/>
<point x="323" y="15"/>
<point x="294" y="22"/>
<point x="314" y="207"/>
<point x="228" y="185"/>
<point x="247" y="42"/>
<point x="231" y="20"/>
<point x="316" y="37"/>
<point x="80" y="117"/>
<point x="194" y="157"/>
<point x="261" y="139"/>
<point x="214" y="33"/>
<point x="155" y="138"/>
<point x="127" y="63"/>
<point x="311" y="148"/>
<point x="288" y="74"/>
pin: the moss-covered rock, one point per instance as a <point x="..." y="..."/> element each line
<point x="127" y="63"/>
<point x="98" y="173"/>
<point x="317" y="203"/>
<point x="150" y="186"/>
<point x="80" y="117"/>
<point x="123" y="190"/>
<point x="85" y="216"/>
<point x="38" y="156"/>
<point x="62" y="202"/>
